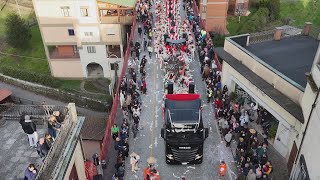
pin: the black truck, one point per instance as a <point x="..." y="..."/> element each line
<point x="183" y="130"/>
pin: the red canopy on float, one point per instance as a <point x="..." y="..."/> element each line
<point x="183" y="97"/>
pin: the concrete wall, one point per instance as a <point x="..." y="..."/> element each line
<point x="215" y="15"/>
<point x="289" y="126"/>
<point x="100" y="57"/>
<point x="85" y="29"/>
<point x="90" y="147"/>
<point x="67" y="68"/>
<point x="316" y="68"/>
<point x="77" y="160"/>
<point x="272" y="78"/>
<point x="52" y="10"/>
<point x="311" y="145"/>
<point x="111" y="33"/>
<point x="58" y="34"/>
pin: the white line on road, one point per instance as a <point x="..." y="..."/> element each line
<point x="157" y="76"/>
<point x="156" y="142"/>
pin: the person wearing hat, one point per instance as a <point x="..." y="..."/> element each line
<point x="134" y="161"/>
<point x="30" y="128"/>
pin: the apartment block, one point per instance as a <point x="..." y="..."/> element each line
<point x="214" y="12"/>
<point x="84" y="38"/>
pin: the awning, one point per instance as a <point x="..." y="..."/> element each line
<point x="176" y="41"/>
<point x="4" y="93"/>
<point x="127" y="3"/>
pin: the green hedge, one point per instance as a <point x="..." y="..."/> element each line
<point x="38" y="78"/>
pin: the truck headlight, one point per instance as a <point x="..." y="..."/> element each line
<point x="198" y="157"/>
<point x="169" y="156"/>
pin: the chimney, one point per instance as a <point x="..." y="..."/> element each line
<point x="307" y="28"/>
<point x="277" y="34"/>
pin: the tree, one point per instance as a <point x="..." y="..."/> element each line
<point x="273" y="6"/>
<point x="17" y="31"/>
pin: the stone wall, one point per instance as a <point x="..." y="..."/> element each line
<point x="57" y="94"/>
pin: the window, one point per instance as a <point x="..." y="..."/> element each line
<point x="88" y="33"/>
<point x="110" y="31"/>
<point x="204" y="9"/>
<point x="71" y="32"/>
<point x="65" y="11"/>
<point x="84" y="11"/>
<point x="91" y="49"/>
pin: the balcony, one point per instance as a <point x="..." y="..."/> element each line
<point x="116" y="16"/>
<point x="113" y="51"/>
<point x="63" y="52"/>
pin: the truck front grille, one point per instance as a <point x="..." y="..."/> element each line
<point x="185" y="155"/>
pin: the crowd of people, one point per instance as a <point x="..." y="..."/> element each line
<point x="233" y="119"/>
<point x="132" y="87"/>
<point x="41" y="145"/>
<point x="251" y="154"/>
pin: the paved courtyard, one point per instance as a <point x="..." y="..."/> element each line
<point x="15" y="152"/>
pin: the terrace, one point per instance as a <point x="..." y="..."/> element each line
<point x="115" y="13"/>
<point x="16" y="154"/>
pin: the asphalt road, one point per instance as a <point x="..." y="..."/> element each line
<point x="149" y="142"/>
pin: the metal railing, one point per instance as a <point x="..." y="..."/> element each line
<point x="288" y="31"/>
<point x="49" y="164"/>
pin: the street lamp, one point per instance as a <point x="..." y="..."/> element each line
<point x="239" y="11"/>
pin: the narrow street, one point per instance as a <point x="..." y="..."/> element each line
<point x="149" y="142"/>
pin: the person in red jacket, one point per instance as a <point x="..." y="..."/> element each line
<point x="222" y="168"/>
<point x="218" y="103"/>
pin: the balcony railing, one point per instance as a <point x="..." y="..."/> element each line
<point x="54" y="54"/>
<point x="59" y="146"/>
<point x="116" y="19"/>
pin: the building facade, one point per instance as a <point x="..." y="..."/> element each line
<point x="238" y="7"/>
<point x="214" y="12"/>
<point x="271" y="74"/>
<point x="84" y="38"/>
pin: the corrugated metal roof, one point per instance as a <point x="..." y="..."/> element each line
<point x="127" y="3"/>
<point x="4" y="93"/>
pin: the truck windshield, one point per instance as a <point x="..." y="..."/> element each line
<point x="184" y="115"/>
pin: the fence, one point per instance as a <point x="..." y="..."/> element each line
<point x="38" y="113"/>
<point x="114" y="109"/>
<point x="288" y="31"/>
<point x="48" y="166"/>
<point x="203" y="26"/>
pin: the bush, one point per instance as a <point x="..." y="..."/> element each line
<point x="257" y="22"/>
<point x="38" y="78"/>
<point x="18" y="33"/>
<point x="273" y="7"/>
<point x="273" y="130"/>
<point x="218" y="39"/>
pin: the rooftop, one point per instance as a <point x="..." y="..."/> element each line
<point x="94" y="128"/>
<point x="292" y="56"/>
<point x="286" y="103"/>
